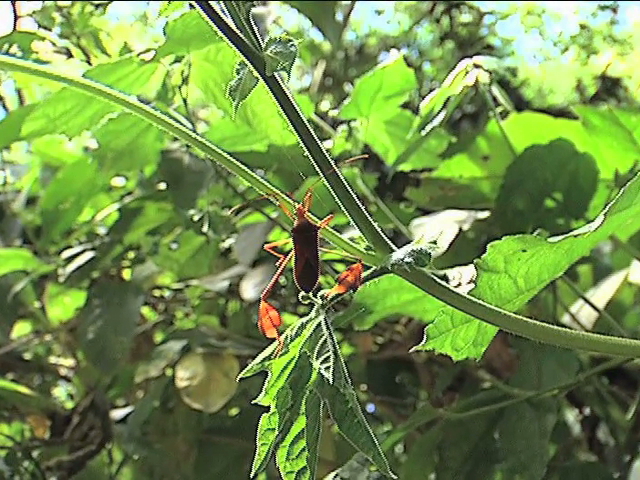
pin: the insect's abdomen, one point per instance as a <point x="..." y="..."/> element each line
<point x="306" y="259"/>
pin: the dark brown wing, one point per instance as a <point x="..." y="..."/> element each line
<point x="306" y="258"/>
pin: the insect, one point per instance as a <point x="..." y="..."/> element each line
<point x="306" y="264"/>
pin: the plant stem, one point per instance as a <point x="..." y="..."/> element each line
<point x="166" y="123"/>
<point x="338" y="186"/>
<point x="509" y="322"/>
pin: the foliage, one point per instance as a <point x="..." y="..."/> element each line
<point x="131" y="266"/>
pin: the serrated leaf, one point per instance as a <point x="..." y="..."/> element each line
<point x="280" y="53"/>
<point x="107" y="323"/>
<point x="241" y="85"/>
<point x="517" y="267"/>
<point x="14" y="259"/>
<point x="265" y="440"/>
<point x="297" y="455"/>
<point x="240" y="12"/>
<point x="386" y="86"/>
<point x="346" y="412"/>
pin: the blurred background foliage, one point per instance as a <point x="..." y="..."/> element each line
<point x="129" y="288"/>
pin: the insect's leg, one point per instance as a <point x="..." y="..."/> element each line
<point x="270" y="247"/>
<point x="326" y="221"/>
<point x="280" y="266"/>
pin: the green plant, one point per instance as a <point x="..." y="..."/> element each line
<point x="120" y="252"/>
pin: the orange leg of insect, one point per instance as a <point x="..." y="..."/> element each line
<point x="269" y="247"/>
<point x="268" y="316"/>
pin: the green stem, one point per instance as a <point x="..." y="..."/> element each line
<point x="338" y="186"/>
<point x="519" y="325"/>
<point x="500" y="318"/>
<point x="172" y="127"/>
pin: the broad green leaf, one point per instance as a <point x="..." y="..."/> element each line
<point x="186" y="176"/>
<point x="66" y="196"/>
<point x="61" y="302"/>
<point x="107" y="323"/>
<point x="379" y="90"/>
<point x="136" y="150"/>
<point x="541" y="367"/>
<point x="390" y="295"/>
<point x="421" y="461"/>
<point x="186" y="34"/>
<point x="547" y="186"/>
<point x="58" y="150"/>
<point x="611" y="130"/>
<point x="526" y="455"/>
<point x="11" y="125"/>
<point x="280" y="54"/>
<point x="517" y="267"/>
<point x="387" y="135"/>
<point x="323" y="17"/>
<point x="243" y="131"/>
<point x="211" y="69"/>
<point x="70" y="112"/>
<point x="241" y="85"/>
<point x="467" y="448"/>
<point x="14" y="259"/>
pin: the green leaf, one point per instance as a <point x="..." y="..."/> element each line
<point x="467" y="448"/>
<point x="309" y="364"/>
<point x="611" y="130"/>
<point x="14" y="259"/>
<point x="422" y="458"/>
<point x="387" y="135"/>
<point x="323" y="17"/>
<point x="391" y="295"/>
<point x="186" y="34"/>
<point x="70" y="112"/>
<point x="61" y="302"/>
<point x="547" y="186"/>
<point x="67" y="195"/>
<point x="15" y="396"/>
<point x="240" y="13"/>
<point x="346" y="412"/>
<point x="379" y="90"/>
<point x="517" y="267"/>
<point x="135" y="150"/>
<point x="541" y="367"/>
<point x="280" y="53"/>
<point x="107" y="323"/>
<point x="11" y="125"/>
<point x="297" y="458"/>
<point x="241" y="85"/>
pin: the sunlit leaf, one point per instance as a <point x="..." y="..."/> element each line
<point x="532" y="263"/>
